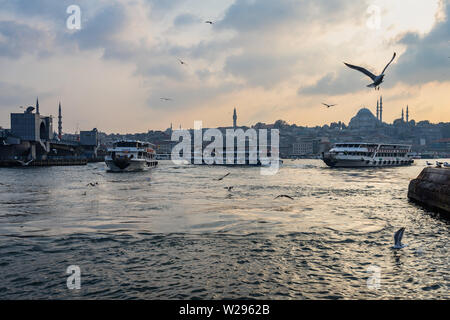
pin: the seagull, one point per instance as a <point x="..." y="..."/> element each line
<point x="182" y="62"/>
<point x="446" y="164"/>
<point x="377" y="80"/>
<point x="329" y="105"/>
<point x="210" y="22"/>
<point x="92" y="184"/>
<point x="220" y="179"/>
<point x="166" y="99"/>
<point x="398" y="239"/>
<point x="284" y="196"/>
<point x="229" y="188"/>
<point x="429" y="163"/>
<point x="439" y="164"/>
<point x="25" y="164"/>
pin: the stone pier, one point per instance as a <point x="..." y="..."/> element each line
<point x="432" y="188"/>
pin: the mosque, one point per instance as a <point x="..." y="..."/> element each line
<point x="366" y="120"/>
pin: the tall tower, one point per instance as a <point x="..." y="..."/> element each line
<point x="234" y="119"/>
<point x="59" y="122"/>
<point x="37" y="105"/>
<point x="403" y="115"/>
<point x="378" y="110"/>
<point x="381" y="108"/>
<point x="407" y="114"/>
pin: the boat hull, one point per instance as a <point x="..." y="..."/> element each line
<point x="130" y="166"/>
<point x="341" y="163"/>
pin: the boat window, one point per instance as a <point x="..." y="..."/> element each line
<point x="126" y="144"/>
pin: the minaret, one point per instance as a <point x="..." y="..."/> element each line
<point x="403" y="116"/>
<point x="37" y="105"/>
<point x="234" y="119"/>
<point x="407" y="114"/>
<point x="59" y="122"/>
<point x="381" y="108"/>
<point x="378" y="110"/>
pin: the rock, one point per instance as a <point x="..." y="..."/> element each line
<point x="432" y="188"/>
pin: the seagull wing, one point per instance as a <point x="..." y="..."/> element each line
<point x="361" y="69"/>
<point x="395" y="54"/>
<point x="398" y="237"/>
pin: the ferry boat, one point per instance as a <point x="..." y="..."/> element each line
<point x="131" y="155"/>
<point x="239" y="158"/>
<point x="350" y="155"/>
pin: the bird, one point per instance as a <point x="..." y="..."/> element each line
<point x="166" y="99"/>
<point x="220" y="179"/>
<point x="429" y="163"/>
<point x="284" y="196"/>
<point x="229" y="188"/>
<point x="377" y="80"/>
<point x="25" y="164"/>
<point x="439" y="164"/>
<point x="92" y="184"/>
<point x="329" y="105"/>
<point x="398" y="239"/>
<point x="446" y="164"/>
<point x="182" y="62"/>
<point x="210" y="22"/>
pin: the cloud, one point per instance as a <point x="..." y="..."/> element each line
<point x="17" y="39"/>
<point x="186" y="19"/>
<point x="426" y="58"/>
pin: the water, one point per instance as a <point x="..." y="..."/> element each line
<point x="176" y="233"/>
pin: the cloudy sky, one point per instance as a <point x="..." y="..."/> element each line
<point x="269" y="59"/>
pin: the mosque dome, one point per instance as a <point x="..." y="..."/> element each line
<point x="364" y="119"/>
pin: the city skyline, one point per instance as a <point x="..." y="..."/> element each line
<point x="112" y="73"/>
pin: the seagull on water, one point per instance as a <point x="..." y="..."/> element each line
<point x="220" y="179"/>
<point x="329" y="105"/>
<point x="377" y="80"/>
<point x="284" y="196"/>
<point x="229" y="188"/>
<point x="398" y="239"/>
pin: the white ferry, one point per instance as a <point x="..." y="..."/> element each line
<point x="238" y="158"/>
<point x="131" y="155"/>
<point x="368" y="155"/>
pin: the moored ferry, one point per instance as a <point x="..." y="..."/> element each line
<point x="350" y="155"/>
<point x="131" y="155"/>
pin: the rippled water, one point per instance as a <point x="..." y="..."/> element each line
<point x="175" y="233"/>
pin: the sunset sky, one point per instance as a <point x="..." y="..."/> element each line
<point x="269" y="59"/>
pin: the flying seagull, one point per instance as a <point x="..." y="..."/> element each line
<point x="220" y="179"/>
<point x="166" y="99"/>
<point x="182" y="62"/>
<point x="25" y="164"/>
<point x="284" y="196"/>
<point x="329" y="105"/>
<point x="398" y="239"/>
<point x="210" y="22"/>
<point x="377" y="80"/>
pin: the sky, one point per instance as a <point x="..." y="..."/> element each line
<point x="268" y="59"/>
